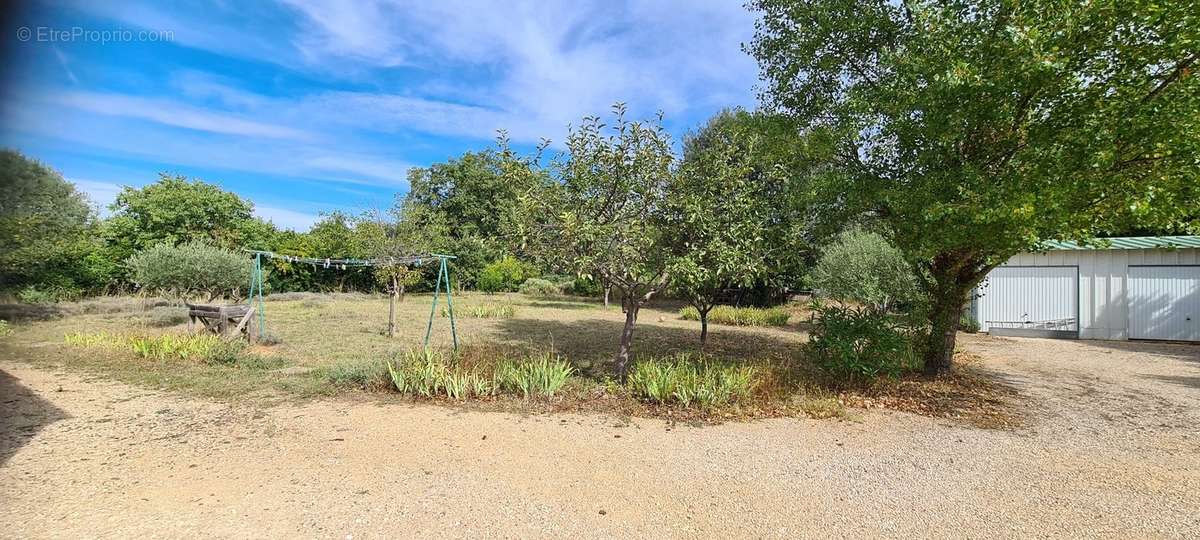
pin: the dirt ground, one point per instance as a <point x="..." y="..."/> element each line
<point x="1111" y="449"/>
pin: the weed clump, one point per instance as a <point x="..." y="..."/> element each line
<point x="428" y="373"/>
<point x="485" y="311"/>
<point x="686" y="380"/>
<point x="739" y="316"/>
<point x="206" y="348"/>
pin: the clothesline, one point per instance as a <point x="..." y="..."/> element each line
<point x="342" y="264"/>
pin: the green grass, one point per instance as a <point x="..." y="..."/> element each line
<point x="739" y="316"/>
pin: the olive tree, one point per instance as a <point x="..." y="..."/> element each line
<point x="974" y="130"/>
<point x="193" y="268"/>
<point x="862" y="266"/>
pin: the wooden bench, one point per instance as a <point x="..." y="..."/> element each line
<point x="227" y="321"/>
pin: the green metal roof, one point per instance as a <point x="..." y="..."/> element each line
<point x="1129" y="242"/>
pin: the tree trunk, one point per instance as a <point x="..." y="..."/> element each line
<point x="943" y="330"/>
<point x="607" y="290"/>
<point x="951" y="278"/>
<point x="392" y="308"/>
<point x="401" y="291"/>
<point x="622" y="361"/>
<point x="703" y="325"/>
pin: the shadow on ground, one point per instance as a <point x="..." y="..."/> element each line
<point x="22" y="415"/>
<point x="591" y="343"/>
<point x="1189" y="352"/>
<point x="1190" y="382"/>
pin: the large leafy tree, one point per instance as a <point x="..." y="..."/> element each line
<point x="603" y="213"/>
<point x="471" y="196"/>
<point x="470" y="191"/>
<point x="46" y="229"/>
<point x="975" y="130"/>
<point x="338" y="235"/>
<point x="175" y="210"/>
<point x="780" y="165"/>
<point x="719" y="215"/>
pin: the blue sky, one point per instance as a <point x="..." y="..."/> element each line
<point x="307" y="106"/>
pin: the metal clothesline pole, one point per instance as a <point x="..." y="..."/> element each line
<point x="256" y="281"/>
<point x="443" y="273"/>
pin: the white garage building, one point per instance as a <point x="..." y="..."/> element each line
<point x="1126" y="288"/>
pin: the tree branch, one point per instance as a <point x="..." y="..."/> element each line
<point x="1180" y="69"/>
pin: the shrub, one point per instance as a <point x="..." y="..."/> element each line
<point x="428" y="373"/>
<point x="864" y="267"/>
<point x="190" y="269"/>
<point x="860" y="344"/>
<point x="503" y="275"/>
<point x="744" y="316"/>
<point x="585" y="286"/>
<point x="541" y="375"/>
<point x="968" y="324"/>
<point x="686" y="380"/>
<point x="5" y="329"/>
<point x="46" y="295"/>
<point x="166" y="316"/>
<point x="541" y="287"/>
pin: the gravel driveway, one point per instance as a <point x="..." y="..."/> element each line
<point x="1112" y="449"/>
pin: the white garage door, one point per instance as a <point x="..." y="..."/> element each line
<point x="1164" y="302"/>
<point x="1030" y="300"/>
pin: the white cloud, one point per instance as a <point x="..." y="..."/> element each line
<point x="286" y="219"/>
<point x="342" y="160"/>
<point x="205" y="86"/>
<point x="62" y="61"/>
<point x="527" y="66"/>
<point x="555" y="63"/>
<point x="393" y="171"/>
<point x="239" y="30"/>
<point x="172" y="113"/>
<point x="101" y="194"/>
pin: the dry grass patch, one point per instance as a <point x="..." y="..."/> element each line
<point x="334" y="345"/>
<point x="965" y="394"/>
